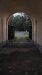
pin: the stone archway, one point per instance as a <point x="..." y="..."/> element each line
<point x="30" y="27"/>
<point x="25" y="6"/>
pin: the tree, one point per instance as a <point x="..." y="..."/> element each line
<point x="11" y="21"/>
<point x="20" y="23"/>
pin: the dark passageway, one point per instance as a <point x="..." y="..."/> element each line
<point x="21" y="57"/>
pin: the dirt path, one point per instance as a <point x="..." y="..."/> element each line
<point x="21" y="61"/>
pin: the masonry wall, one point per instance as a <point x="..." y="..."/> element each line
<point x="39" y="31"/>
<point x="29" y="7"/>
<point x="1" y="29"/>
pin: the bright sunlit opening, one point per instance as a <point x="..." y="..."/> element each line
<point x="21" y="14"/>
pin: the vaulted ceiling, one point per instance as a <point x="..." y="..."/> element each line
<point x="8" y="5"/>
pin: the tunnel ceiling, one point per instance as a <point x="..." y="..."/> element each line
<point x="8" y="5"/>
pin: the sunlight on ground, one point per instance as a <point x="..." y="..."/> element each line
<point x="21" y="34"/>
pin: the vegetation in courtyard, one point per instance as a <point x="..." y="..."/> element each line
<point x="19" y="23"/>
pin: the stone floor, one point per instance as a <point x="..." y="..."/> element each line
<point x="20" y="60"/>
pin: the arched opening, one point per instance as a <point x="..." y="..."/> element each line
<point x="19" y="26"/>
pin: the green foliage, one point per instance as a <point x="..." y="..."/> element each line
<point x="20" y="23"/>
<point x="11" y="21"/>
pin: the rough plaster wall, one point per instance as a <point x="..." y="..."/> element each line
<point x="1" y="26"/>
<point x="4" y="28"/>
<point x="39" y="31"/>
<point x="34" y="29"/>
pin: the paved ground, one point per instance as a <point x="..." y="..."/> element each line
<point x="21" y="60"/>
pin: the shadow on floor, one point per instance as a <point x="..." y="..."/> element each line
<point x="20" y="61"/>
